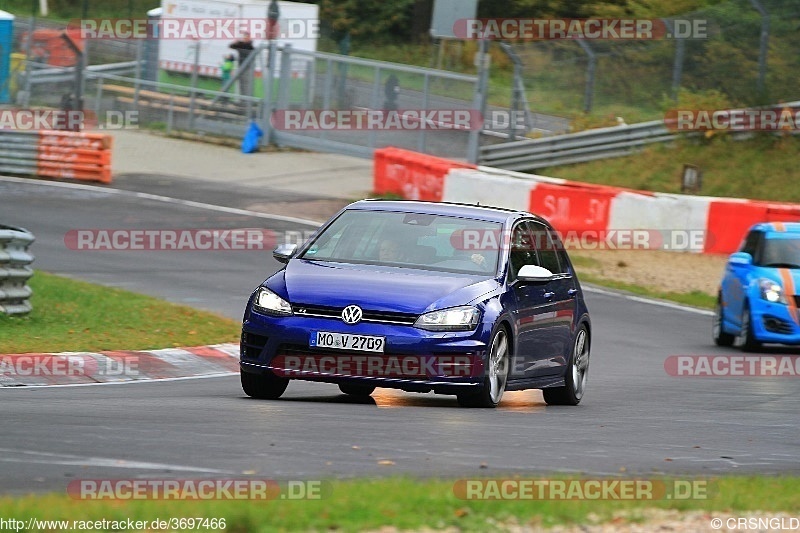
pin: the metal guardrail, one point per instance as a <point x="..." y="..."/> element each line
<point x="50" y="74"/>
<point x="15" y="270"/>
<point x="590" y="145"/>
<point x="579" y="147"/>
<point x="19" y="152"/>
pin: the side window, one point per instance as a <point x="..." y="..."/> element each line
<point x="561" y="251"/>
<point x="522" y="251"/>
<point x="548" y="252"/>
<point x="750" y="243"/>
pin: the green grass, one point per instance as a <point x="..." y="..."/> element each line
<point x="763" y="167"/>
<point x="694" y="298"/>
<point x="71" y="315"/>
<point x="407" y="504"/>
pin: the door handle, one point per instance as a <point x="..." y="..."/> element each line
<point x="549" y="295"/>
<point x="572" y="292"/>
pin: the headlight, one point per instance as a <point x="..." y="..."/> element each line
<point x="771" y="291"/>
<point x="269" y="302"/>
<point x="464" y="318"/>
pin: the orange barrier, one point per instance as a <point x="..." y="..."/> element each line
<point x="728" y="221"/>
<point x="412" y="175"/>
<point x="75" y="155"/>
<point x="573" y="208"/>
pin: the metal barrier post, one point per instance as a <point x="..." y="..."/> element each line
<point x="193" y="95"/>
<point x="15" y="270"/>
<point x="376" y="98"/>
<point x="268" y="81"/>
<point x="423" y="127"/>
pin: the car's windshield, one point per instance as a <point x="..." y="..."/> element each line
<point x="781" y="252"/>
<point x="412" y="240"/>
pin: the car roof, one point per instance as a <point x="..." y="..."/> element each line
<point x="778" y="227"/>
<point x="479" y="212"/>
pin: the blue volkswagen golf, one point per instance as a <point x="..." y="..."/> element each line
<point x="419" y="296"/>
<point x="759" y="297"/>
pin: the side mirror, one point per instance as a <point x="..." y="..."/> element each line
<point x="284" y="252"/>
<point x="534" y="274"/>
<point x="740" y="259"/>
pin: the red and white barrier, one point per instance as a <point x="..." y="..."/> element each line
<point x="716" y="225"/>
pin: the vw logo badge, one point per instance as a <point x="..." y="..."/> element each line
<point x="352" y="314"/>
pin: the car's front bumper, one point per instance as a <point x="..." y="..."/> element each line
<point x="774" y="323"/>
<point x="444" y="362"/>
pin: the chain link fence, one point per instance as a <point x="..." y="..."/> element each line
<point x="750" y="56"/>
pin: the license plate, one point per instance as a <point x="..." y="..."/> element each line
<point x="342" y="341"/>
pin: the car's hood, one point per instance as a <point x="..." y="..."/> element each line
<point x="378" y="288"/>
<point x="783" y="276"/>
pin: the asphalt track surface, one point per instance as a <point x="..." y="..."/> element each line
<point x="635" y="419"/>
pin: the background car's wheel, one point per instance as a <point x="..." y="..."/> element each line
<point x="356" y="390"/>
<point x="577" y="374"/>
<point x="746" y="340"/>
<point x="494" y="384"/>
<point x="720" y="337"/>
<point x="263" y="387"/>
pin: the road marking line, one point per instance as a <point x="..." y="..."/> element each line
<point x="69" y="459"/>
<point x="165" y="199"/>
<point x="679" y="307"/>
<point x="130" y="382"/>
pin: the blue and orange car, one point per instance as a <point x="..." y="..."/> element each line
<point x="420" y="296"/>
<point x="760" y="290"/>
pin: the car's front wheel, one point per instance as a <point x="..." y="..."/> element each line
<point x="263" y="386"/>
<point x="356" y="390"/>
<point x="746" y="339"/>
<point x="720" y="337"/>
<point x="494" y="384"/>
<point x="577" y="374"/>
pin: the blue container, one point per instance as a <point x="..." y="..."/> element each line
<point x="6" y="47"/>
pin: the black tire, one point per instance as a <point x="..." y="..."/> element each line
<point x="263" y="386"/>
<point x="356" y="390"/>
<point x="577" y="373"/>
<point x="746" y="339"/>
<point x="494" y="383"/>
<point x="721" y="338"/>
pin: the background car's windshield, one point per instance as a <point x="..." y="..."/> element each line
<point x="413" y="240"/>
<point x="781" y="252"/>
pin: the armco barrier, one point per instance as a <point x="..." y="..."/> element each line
<point x="15" y="270"/>
<point x="716" y="225"/>
<point x="412" y="175"/>
<point x="56" y="154"/>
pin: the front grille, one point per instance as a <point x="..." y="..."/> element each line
<point x="252" y="345"/>
<point x="383" y="317"/>
<point x="777" y="325"/>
